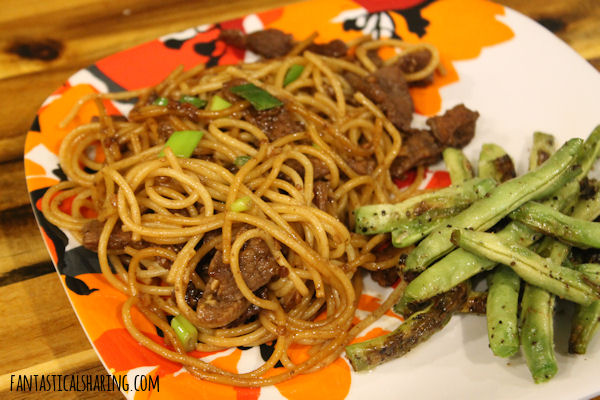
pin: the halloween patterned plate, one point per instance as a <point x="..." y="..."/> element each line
<point x="519" y="77"/>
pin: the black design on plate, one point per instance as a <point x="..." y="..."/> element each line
<point x="78" y="286"/>
<point x="266" y="351"/>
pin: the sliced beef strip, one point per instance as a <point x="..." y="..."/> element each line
<point x="456" y="127"/>
<point x="373" y="55"/>
<point x="251" y="311"/>
<point x="335" y="48"/>
<point x="269" y="43"/>
<point x="362" y="165"/>
<point x="185" y="110"/>
<point x="414" y="61"/>
<point x="420" y="148"/>
<point x="323" y="195"/>
<point x="385" y="277"/>
<point x="387" y="88"/>
<point x="275" y="122"/>
<point x="233" y="37"/>
<point x="389" y="276"/>
<point x="320" y="169"/>
<point x="222" y="302"/>
<point x="165" y="129"/>
<point x="116" y="241"/>
<point x="192" y="295"/>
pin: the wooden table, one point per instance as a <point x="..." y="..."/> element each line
<point x="42" y="44"/>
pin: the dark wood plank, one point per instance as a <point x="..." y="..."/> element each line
<point x="21" y="244"/>
<point x="12" y="182"/>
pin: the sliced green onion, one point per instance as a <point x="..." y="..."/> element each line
<point x="292" y="74"/>
<point x="241" y="160"/>
<point x="316" y="146"/>
<point x="161" y="101"/>
<point x="195" y="101"/>
<point x="186" y="332"/>
<point x="219" y="103"/>
<point x="259" y="98"/>
<point x="183" y="143"/>
<point x="242" y="204"/>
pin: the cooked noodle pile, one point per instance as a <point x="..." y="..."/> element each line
<point x="176" y="213"/>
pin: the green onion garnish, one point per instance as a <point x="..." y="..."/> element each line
<point x="219" y="103"/>
<point x="241" y="160"/>
<point x="242" y="204"/>
<point x="195" y="101"/>
<point x="161" y="101"/>
<point x="292" y="74"/>
<point x="186" y="332"/>
<point x="183" y="143"/>
<point x="260" y="98"/>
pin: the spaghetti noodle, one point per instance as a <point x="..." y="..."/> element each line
<point x="300" y="188"/>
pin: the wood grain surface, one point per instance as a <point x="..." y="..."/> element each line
<point x="41" y="45"/>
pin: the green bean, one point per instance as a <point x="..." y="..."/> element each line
<point x="591" y="271"/>
<point x="415" y="329"/>
<point x="501" y="200"/>
<point x="583" y="327"/>
<point x="501" y="310"/>
<point x="460" y="265"/>
<point x="574" y="231"/>
<point x="532" y="268"/>
<point x="422" y="209"/>
<point x="495" y="163"/>
<point x="537" y="327"/>
<point x="503" y="294"/>
<point x="458" y="166"/>
<point x="585" y="320"/>
<point x="537" y="305"/>
<point x="543" y="148"/>
<point x="537" y="333"/>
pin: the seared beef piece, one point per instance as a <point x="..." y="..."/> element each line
<point x="165" y="129"/>
<point x="323" y="192"/>
<point x="320" y="169"/>
<point x="185" y="110"/>
<point x="505" y="165"/>
<point x="251" y="311"/>
<point x="456" y="127"/>
<point x="269" y="43"/>
<point x="387" y="88"/>
<point x="414" y="61"/>
<point x="335" y="48"/>
<point x="222" y="302"/>
<point x="362" y="165"/>
<point x="385" y="277"/>
<point x="116" y="241"/>
<point x="373" y="55"/>
<point x="420" y="148"/>
<point x="233" y="37"/>
<point x="275" y="123"/>
<point x="192" y="295"/>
